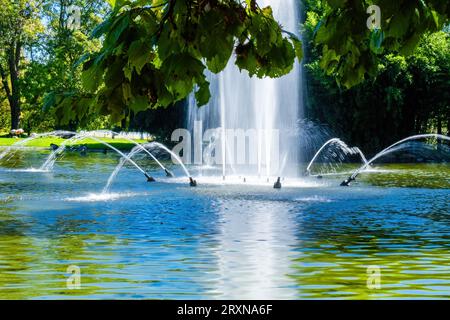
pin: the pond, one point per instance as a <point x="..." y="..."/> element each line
<point x="166" y="240"/>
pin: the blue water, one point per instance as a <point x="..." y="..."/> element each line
<point x="238" y="241"/>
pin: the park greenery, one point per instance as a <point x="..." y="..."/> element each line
<point x="405" y="88"/>
<point x="131" y="64"/>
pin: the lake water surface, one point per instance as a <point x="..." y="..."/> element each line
<point x="311" y="239"/>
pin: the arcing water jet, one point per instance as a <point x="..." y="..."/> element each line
<point x="390" y="149"/>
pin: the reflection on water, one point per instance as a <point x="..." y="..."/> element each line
<point x="255" y="239"/>
<point x="167" y="240"/>
<point x="410" y="175"/>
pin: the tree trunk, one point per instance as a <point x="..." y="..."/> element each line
<point x="14" y="99"/>
<point x="448" y="125"/>
<point x="439" y="131"/>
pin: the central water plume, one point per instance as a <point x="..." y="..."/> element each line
<point x="269" y="108"/>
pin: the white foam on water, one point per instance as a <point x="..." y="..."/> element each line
<point x="314" y="199"/>
<point x="104" y="197"/>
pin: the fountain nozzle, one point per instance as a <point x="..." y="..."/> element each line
<point x="347" y="182"/>
<point x="149" y="178"/>
<point x="83" y="150"/>
<point x="277" y="185"/>
<point x="192" y="182"/>
<point x="169" y="173"/>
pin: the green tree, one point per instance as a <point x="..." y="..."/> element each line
<point x="407" y="94"/>
<point x="50" y="68"/>
<point x="155" y="53"/>
<point x="351" y="51"/>
<point x="19" y="24"/>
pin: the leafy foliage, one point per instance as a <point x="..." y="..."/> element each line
<point x="408" y="95"/>
<point x="351" y="51"/>
<point x="155" y="53"/>
<point x="19" y="26"/>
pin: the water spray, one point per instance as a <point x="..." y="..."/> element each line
<point x="342" y="146"/>
<point x="390" y="149"/>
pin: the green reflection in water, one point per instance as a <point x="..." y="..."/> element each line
<point x="341" y="270"/>
<point x="33" y="266"/>
<point x="408" y="175"/>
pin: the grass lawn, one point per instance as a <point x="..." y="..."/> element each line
<point x="91" y="144"/>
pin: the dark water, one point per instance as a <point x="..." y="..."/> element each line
<point x="167" y="240"/>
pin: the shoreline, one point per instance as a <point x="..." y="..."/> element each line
<point x="92" y="146"/>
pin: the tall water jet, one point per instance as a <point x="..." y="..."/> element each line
<point x="265" y="109"/>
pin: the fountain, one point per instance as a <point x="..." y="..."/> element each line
<point x="268" y="107"/>
<point x="392" y="148"/>
<point x="50" y="161"/>
<point x="75" y="137"/>
<point x="139" y="148"/>
<point x="173" y="155"/>
<point x="341" y="146"/>
<point x="24" y="142"/>
<point x="86" y="135"/>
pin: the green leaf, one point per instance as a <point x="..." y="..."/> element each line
<point x="335" y="4"/>
<point x="297" y="47"/>
<point x="399" y="24"/>
<point x="112" y="3"/>
<point x="180" y="71"/>
<point x="126" y="90"/>
<point x="329" y="60"/>
<point x="168" y="44"/>
<point x="128" y="71"/>
<point x="101" y="28"/>
<point x="121" y="23"/>
<point x="49" y="101"/>
<point x="114" y="74"/>
<point x="203" y="94"/>
<point x="139" y="103"/>
<point x="139" y="54"/>
<point x="92" y="77"/>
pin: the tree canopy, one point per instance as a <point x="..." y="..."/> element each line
<point x="19" y="26"/>
<point x="129" y="56"/>
<point x="351" y="51"/>
<point x="407" y="95"/>
<point x="155" y="53"/>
